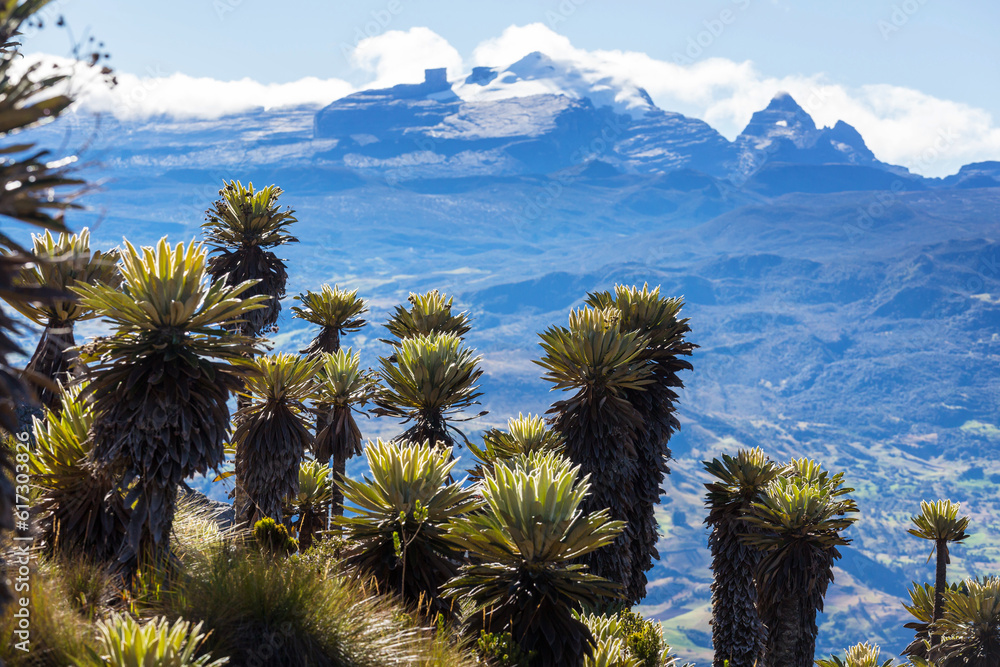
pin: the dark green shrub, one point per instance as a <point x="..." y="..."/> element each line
<point x="324" y="554"/>
<point x="643" y="638"/>
<point x="273" y="538"/>
<point x="626" y="639"/>
<point x="501" y="650"/>
<point x="263" y="612"/>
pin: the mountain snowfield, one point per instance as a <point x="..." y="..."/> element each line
<point x="845" y="308"/>
<point x="537" y="74"/>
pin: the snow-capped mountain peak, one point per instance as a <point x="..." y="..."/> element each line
<point x="785" y="132"/>
<point x="783" y="118"/>
<point x="538" y="74"/>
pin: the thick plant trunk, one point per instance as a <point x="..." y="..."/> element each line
<point x="611" y="488"/>
<point x="599" y="440"/>
<point x="940" y="584"/>
<point x="51" y="361"/>
<point x="785" y="637"/>
<point x="738" y="634"/>
<point x="307" y="526"/>
<point x="656" y="405"/>
<point x="648" y="475"/>
<point x="268" y="458"/>
<point x="148" y="537"/>
<point x="339" y="465"/>
<point x="240" y="498"/>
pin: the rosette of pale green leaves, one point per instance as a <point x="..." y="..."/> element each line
<point x="427" y="313"/>
<point x="524" y="435"/>
<point x="400" y="521"/>
<point x="241" y="227"/>
<point x="524" y="542"/>
<point x="126" y="642"/>
<point x="427" y="381"/>
<point x="335" y="311"/>
<point x="970" y="625"/>
<point x="311" y="501"/>
<point x="80" y="509"/>
<point x="248" y="217"/>
<point x="859" y="655"/>
<point x="341" y="386"/>
<point x="62" y="262"/>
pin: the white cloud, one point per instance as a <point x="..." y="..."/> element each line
<point x="903" y="126"/>
<point x="183" y="96"/>
<point x="401" y="57"/>
<point x="518" y="41"/>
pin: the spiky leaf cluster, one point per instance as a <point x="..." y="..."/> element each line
<point x="940" y="523"/>
<point x="408" y="501"/>
<point x="272" y="432"/>
<point x="427" y="313"/>
<point x="336" y="311"/>
<point x="163" y="377"/>
<point x="610" y="648"/>
<point x="859" y="655"/>
<point x="812" y="516"/>
<point x="79" y="508"/>
<point x="524" y="436"/>
<point x="341" y="386"/>
<point x="524" y="542"/>
<point x="738" y="634"/>
<point x="625" y="639"/>
<point x="921" y="604"/>
<point x="61" y="262"/>
<point x="126" y="642"/>
<point x="921" y="607"/>
<point x="602" y="365"/>
<point x="240" y="228"/>
<point x="969" y="626"/>
<point x="939" y="520"/>
<point x="311" y="501"/>
<point x="64" y="261"/>
<point x="428" y="380"/>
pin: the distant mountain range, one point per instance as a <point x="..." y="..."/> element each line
<point x="846" y="309"/>
<point x="539" y="116"/>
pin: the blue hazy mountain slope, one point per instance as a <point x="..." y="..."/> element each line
<point x="845" y="309"/>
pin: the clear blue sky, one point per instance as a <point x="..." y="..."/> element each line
<point x="947" y="49"/>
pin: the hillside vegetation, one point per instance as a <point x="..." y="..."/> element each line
<point x="535" y="551"/>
